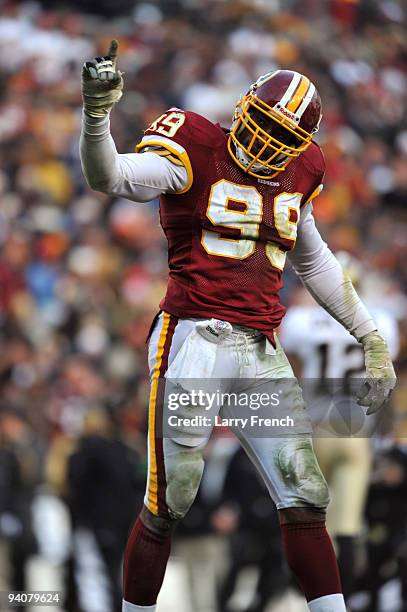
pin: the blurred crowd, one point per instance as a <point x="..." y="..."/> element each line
<point x="81" y="274"/>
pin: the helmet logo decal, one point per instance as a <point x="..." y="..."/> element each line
<point x="286" y="112"/>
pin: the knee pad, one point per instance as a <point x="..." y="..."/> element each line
<point x="183" y="472"/>
<point x="301" y="472"/>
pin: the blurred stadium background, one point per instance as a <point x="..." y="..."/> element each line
<point x="81" y="275"/>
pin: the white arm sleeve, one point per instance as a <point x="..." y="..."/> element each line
<point x="323" y="276"/>
<point x="136" y="176"/>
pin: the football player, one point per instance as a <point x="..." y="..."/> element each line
<point x="234" y="203"/>
<point x="329" y="358"/>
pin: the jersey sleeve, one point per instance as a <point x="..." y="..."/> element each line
<point x="316" y="191"/>
<point x="169" y="136"/>
<point x="315" y="166"/>
<point x="139" y="178"/>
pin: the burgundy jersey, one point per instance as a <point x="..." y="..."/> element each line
<point x="228" y="232"/>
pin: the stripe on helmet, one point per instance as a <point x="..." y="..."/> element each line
<point x="307" y="99"/>
<point x="266" y="77"/>
<point x="299" y="94"/>
<point x="295" y="81"/>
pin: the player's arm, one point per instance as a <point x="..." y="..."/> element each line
<point x="324" y="278"/>
<point x="139" y="177"/>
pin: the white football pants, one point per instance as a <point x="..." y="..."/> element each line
<point x="242" y="365"/>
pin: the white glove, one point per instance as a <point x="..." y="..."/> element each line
<point x="102" y="83"/>
<point x="380" y="375"/>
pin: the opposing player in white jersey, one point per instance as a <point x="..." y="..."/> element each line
<point x="329" y="358"/>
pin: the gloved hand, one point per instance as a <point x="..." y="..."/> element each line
<point x="380" y="375"/>
<point x="102" y="83"/>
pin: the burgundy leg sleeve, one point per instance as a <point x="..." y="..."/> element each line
<point x="145" y="561"/>
<point x="311" y="556"/>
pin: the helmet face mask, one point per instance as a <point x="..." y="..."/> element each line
<point x="266" y="135"/>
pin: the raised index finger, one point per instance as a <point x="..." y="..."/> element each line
<point x="114" y="45"/>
